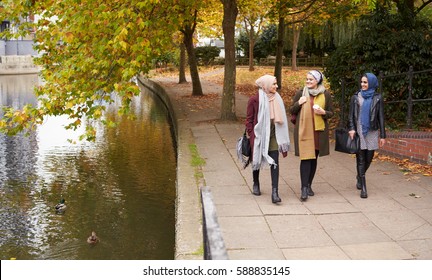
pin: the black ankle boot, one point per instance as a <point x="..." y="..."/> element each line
<point x="274" y="173"/>
<point x="310" y="192"/>
<point x="256" y="189"/>
<point x="304" y="193"/>
<point x="275" y="196"/>
<point x="256" y="184"/>
<point x="363" y="192"/>
<point x="358" y="185"/>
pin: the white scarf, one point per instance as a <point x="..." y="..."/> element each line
<point x="262" y="132"/>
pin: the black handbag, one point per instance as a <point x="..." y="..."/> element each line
<point x="244" y="150"/>
<point x="344" y="143"/>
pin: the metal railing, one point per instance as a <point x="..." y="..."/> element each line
<point x="214" y="246"/>
<point x="410" y="100"/>
<point x="301" y="61"/>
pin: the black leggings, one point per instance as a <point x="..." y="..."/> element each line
<point x="274" y="170"/>
<point x="307" y="170"/>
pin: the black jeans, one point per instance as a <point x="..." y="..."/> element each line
<point x="307" y="170"/>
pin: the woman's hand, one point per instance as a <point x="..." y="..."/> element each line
<point x="382" y="141"/>
<point x="351" y="134"/>
<point x="302" y="100"/>
<point x="319" y="111"/>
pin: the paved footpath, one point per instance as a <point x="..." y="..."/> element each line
<point x="394" y="223"/>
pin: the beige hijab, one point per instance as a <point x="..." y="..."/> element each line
<point x="265" y="83"/>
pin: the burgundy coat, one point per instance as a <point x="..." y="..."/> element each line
<point x="252" y="118"/>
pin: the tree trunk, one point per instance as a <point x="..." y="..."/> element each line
<point x="228" y="94"/>
<point x="182" y="66"/>
<point x="406" y="9"/>
<point x="296" y="35"/>
<point x="251" y="48"/>
<point x="193" y="64"/>
<point x="279" y="52"/>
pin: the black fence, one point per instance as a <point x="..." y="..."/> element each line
<point x="410" y="101"/>
<point x="301" y="62"/>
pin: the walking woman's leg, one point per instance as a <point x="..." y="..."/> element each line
<point x="314" y="164"/>
<point x="358" y="164"/>
<point x="305" y="170"/>
<point x="256" y="184"/>
<point x="362" y="169"/>
<point x="369" y="157"/>
<point x="274" y="173"/>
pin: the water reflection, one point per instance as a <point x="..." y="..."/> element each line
<point x="122" y="186"/>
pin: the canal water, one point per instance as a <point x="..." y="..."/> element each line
<point x="122" y="186"/>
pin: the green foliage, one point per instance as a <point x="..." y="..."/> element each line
<point x="318" y="39"/>
<point x="166" y="58"/>
<point x="388" y="44"/>
<point x="207" y="54"/>
<point x="90" y="53"/>
<point x="243" y="43"/>
<point x="266" y="43"/>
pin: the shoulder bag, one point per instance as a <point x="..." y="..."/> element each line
<point x="244" y="149"/>
<point x="344" y="143"/>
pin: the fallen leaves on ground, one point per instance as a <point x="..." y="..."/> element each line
<point x="408" y="167"/>
<point x="196" y="102"/>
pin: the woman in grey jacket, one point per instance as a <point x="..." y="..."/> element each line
<point x="366" y="118"/>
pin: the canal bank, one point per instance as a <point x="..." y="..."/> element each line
<point x="17" y="65"/>
<point x="394" y="223"/>
<point x="189" y="235"/>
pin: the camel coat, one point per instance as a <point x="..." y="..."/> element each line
<point x="323" y="136"/>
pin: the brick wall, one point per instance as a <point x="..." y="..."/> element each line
<point x="413" y="145"/>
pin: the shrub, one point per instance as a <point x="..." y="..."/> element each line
<point x="206" y="54"/>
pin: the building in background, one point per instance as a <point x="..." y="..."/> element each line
<point x="213" y="42"/>
<point x="17" y="46"/>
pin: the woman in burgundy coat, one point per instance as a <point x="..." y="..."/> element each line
<point x="267" y="127"/>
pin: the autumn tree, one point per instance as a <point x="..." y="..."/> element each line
<point x="206" y="17"/>
<point x="289" y="13"/>
<point x="182" y="64"/>
<point x="190" y="13"/>
<point x="228" y="94"/>
<point x="294" y="14"/>
<point x="89" y="50"/>
<point x="253" y="14"/>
